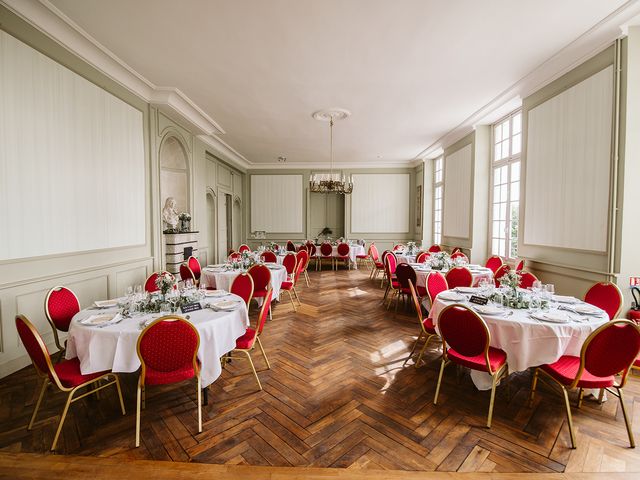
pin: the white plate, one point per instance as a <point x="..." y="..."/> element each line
<point x="564" y="299"/>
<point x="553" y="317"/>
<point x="451" y="296"/>
<point x="99" y="320"/>
<point x="215" y="293"/>
<point x="105" y="303"/>
<point x="488" y="310"/>
<point x="586" y="309"/>
<point x="225" y="304"/>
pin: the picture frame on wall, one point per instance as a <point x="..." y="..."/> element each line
<point x="419" y="206"/>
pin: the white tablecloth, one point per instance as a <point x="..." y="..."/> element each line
<point x="114" y="347"/>
<point x="405" y="258"/>
<point x="529" y="342"/>
<point x="478" y="272"/>
<point x="219" y="279"/>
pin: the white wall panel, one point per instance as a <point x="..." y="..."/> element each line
<point x="276" y="203"/>
<point x="456" y="214"/>
<point x="72" y="163"/>
<point x="568" y="167"/>
<point x="380" y="203"/>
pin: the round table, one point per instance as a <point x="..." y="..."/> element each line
<point x="478" y="272"/>
<point x="113" y="347"/>
<point x="219" y="278"/>
<point x="405" y="258"/>
<point x="529" y="342"/>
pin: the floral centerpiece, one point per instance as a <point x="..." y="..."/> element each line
<point x="440" y="261"/>
<point x="411" y="248"/>
<point x="185" y="222"/>
<point x="165" y="283"/>
<point x="244" y="261"/>
<point x="273" y="246"/>
<point x="512" y="297"/>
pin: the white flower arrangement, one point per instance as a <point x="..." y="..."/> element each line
<point x="511" y="280"/>
<point x="440" y="261"/>
<point x="165" y="282"/>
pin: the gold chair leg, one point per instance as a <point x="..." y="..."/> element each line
<point x="580" y="396"/>
<point x="62" y="418"/>
<point x="422" y="350"/>
<point x="45" y="382"/>
<point x="601" y="396"/>
<point x="292" y="302"/>
<point x="263" y="353"/>
<point x="415" y="345"/>
<point x="442" y="365"/>
<point x="255" y="374"/>
<point x="199" y="400"/>
<point x="138" y="402"/>
<point x="632" y="442"/>
<point x="494" y="380"/>
<point x="297" y="296"/>
<point x="120" y="395"/>
<point x="534" y="384"/>
<point x="569" y="417"/>
<point x="306" y="278"/>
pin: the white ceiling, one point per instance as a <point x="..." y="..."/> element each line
<point x="408" y="70"/>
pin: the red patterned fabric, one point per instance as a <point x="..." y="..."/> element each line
<point x="373" y="252"/>
<point x="494" y="263"/>
<point x="33" y="343"/>
<point x="343" y="250"/>
<point x="422" y="257"/>
<point x="605" y="296"/>
<point x="429" y="326"/>
<point x="290" y="246"/>
<point x="194" y="265"/>
<point x="186" y="273"/>
<point x="390" y="263"/>
<point x="527" y="279"/>
<point x="243" y="287"/>
<point x="612" y="349"/>
<point x="436" y="283"/>
<point x="459" y="277"/>
<point x="566" y="368"/>
<point x="167" y="349"/>
<point x="326" y="250"/>
<point x="261" y="280"/>
<point x="150" y="284"/>
<point x="246" y="341"/>
<point x="435" y="248"/>
<point x="303" y="258"/>
<point x="463" y="330"/>
<point x="497" y="358"/>
<point x="289" y="263"/>
<point x="498" y="274"/>
<point x="244" y="248"/>
<point x="62" y="305"/>
<point x="459" y="254"/>
<point x="68" y="371"/>
<point x="235" y="256"/>
<point x="520" y="266"/>
<point x="405" y="274"/>
<point x="269" y="257"/>
<point x="311" y="248"/>
<point x="286" y="286"/>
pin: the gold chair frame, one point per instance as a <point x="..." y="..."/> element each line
<point x="423" y="331"/>
<point x="617" y="289"/>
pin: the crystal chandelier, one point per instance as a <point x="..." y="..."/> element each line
<point x="331" y="182"/>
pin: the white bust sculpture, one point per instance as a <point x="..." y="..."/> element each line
<point x="169" y="214"/>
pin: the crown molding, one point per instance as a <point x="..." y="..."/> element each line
<point x="225" y="152"/>
<point x="324" y="166"/>
<point x="593" y="41"/>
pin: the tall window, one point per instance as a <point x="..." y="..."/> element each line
<point x="437" y="200"/>
<point x="507" y="142"/>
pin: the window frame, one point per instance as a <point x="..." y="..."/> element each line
<point x="436" y="238"/>
<point x="508" y="161"/>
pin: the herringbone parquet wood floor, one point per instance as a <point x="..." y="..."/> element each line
<point x="337" y="395"/>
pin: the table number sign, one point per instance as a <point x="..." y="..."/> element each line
<point x="478" y="300"/>
<point x="191" y="307"/>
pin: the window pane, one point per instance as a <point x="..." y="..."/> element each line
<point x="496" y="194"/>
<point x="515" y="144"/>
<point x="505" y="130"/>
<point x="515" y="191"/>
<point x="497" y="151"/>
<point x="505" y="148"/>
<point x="515" y="171"/>
<point x="497" y="132"/>
<point x="503" y="193"/>
<point x="503" y="211"/>
<point x="501" y="247"/>
<point x="517" y="123"/>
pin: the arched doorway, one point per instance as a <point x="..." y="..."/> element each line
<point x="174" y="173"/>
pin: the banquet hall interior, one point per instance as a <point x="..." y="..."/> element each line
<point x="319" y="239"/>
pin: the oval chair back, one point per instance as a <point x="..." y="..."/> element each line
<point x="520" y="266"/>
<point x="290" y="246"/>
<point x="494" y="263"/>
<point x="498" y="274"/>
<point x="405" y="274"/>
<point x="610" y="349"/>
<point x="383" y="258"/>
<point x="436" y="283"/>
<point x="398" y="247"/>
<point x="269" y="257"/>
<point x="527" y="279"/>
<point x="60" y="305"/>
<point x="435" y="248"/>
<point x="313" y="250"/>
<point x="459" y="277"/>
<point x="422" y="257"/>
<point x="244" y="248"/>
<point x="242" y="286"/>
<point x="390" y="264"/>
<point x="234" y="256"/>
<point x="150" y="283"/>
<point x="343" y="249"/>
<point x="302" y="247"/>
<point x="300" y="266"/>
<point x="36" y="349"/>
<point x="303" y="258"/>
<point x="465" y="332"/>
<point x="373" y="252"/>
<point x="275" y="247"/>
<point x="326" y="250"/>
<point x="459" y="254"/>
<point x="455" y="250"/>
<point x="264" y="311"/>
<point x="607" y="296"/>
<point x="186" y="274"/>
<point x="289" y="263"/>
<point x="261" y="277"/>
<point x="194" y="265"/>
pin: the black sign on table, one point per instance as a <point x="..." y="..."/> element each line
<point x="191" y="307"/>
<point x="478" y="300"/>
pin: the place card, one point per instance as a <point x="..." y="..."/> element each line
<point x="478" y="300"/>
<point x="191" y="307"/>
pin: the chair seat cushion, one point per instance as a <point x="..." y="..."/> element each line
<point x="246" y="341"/>
<point x="259" y="293"/>
<point x="362" y="256"/>
<point x="564" y="370"/>
<point x="497" y="358"/>
<point x="421" y="291"/>
<point x="157" y="377"/>
<point x="379" y="265"/>
<point x="68" y="372"/>
<point x="286" y="285"/>
<point x="429" y="326"/>
<point x="395" y="285"/>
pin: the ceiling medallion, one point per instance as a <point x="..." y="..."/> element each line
<point x="331" y="182"/>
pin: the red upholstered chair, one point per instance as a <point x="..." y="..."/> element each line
<point x="150" y="282"/>
<point x="406" y="275"/>
<point x="459" y="277"/>
<point x="290" y="285"/>
<point x="242" y="286"/>
<point x="342" y="254"/>
<point x="455" y="250"/>
<point x="269" y="257"/>
<point x="398" y="247"/>
<point x="313" y="253"/>
<point x="436" y="283"/>
<point x="427" y="328"/>
<point x="289" y="263"/>
<point x="608" y="351"/>
<point x="607" y="296"/>
<point x="231" y="251"/>
<point x="326" y="253"/>
<point x="499" y="273"/>
<point x="435" y="248"/>
<point x="527" y="279"/>
<point x="519" y="265"/>
<point x="290" y="246"/>
<point x="194" y="265"/>
<point x="167" y="350"/>
<point x="383" y="260"/>
<point x="65" y="376"/>
<point x="60" y="305"/>
<point x="261" y="282"/>
<point x="303" y="257"/>
<point x="376" y="264"/>
<point x="466" y="342"/>
<point x="390" y="264"/>
<point x="186" y="274"/>
<point x="234" y="256"/>
<point x="244" y="248"/>
<point x="422" y="257"/>
<point x="494" y="263"/>
<point x="301" y="247"/>
<point x="246" y="342"/>
<point x="459" y="254"/>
